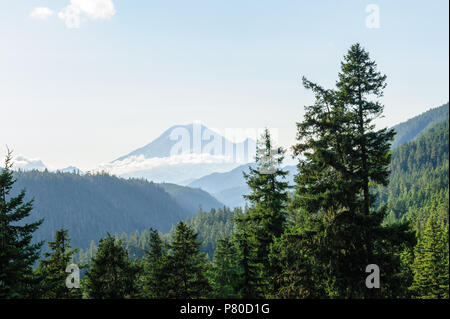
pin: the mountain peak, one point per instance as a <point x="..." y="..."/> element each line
<point x="183" y="152"/>
<point x="71" y="169"/>
<point x="26" y="164"/>
<point x="193" y="138"/>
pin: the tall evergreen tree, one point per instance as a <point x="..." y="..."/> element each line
<point x="430" y="267"/>
<point x="359" y="88"/>
<point x="155" y="275"/>
<point x="186" y="266"/>
<point x="112" y="274"/>
<point x="226" y="271"/>
<point x="53" y="268"/>
<point x="264" y="220"/>
<point x="250" y="283"/>
<point x="340" y="157"/>
<point x="268" y="192"/>
<point x="300" y="275"/>
<point x="17" y="253"/>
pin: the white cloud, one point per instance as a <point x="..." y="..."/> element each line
<point x="79" y="11"/>
<point x="139" y="163"/>
<point x="41" y="13"/>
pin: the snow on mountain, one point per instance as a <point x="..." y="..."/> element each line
<point x="71" y="169"/>
<point x="183" y="152"/>
<point x="25" y="164"/>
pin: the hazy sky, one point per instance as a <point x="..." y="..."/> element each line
<point x="85" y="81"/>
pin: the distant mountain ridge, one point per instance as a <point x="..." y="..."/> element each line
<point x="419" y="180"/>
<point x="229" y="187"/>
<point x="91" y="205"/>
<point x="192" y="199"/>
<point x="218" y="182"/>
<point x="412" y="128"/>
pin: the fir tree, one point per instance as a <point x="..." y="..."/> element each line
<point x="340" y="157"/>
<point x="250" y="283"/>
<point x="53" y="268"/>
<point x="111" y="274"/>
<point x="265" y="218"/>
<point x="300" y="276"/>
<point x="155" y="275"/>
<point x="430" y="268"/>
<point x="366" y="163"/>
<point x="186" y="266"/>
<point x="359" y="85"/>
<point x="17" y="253"/>
<point x="226" y="271"/>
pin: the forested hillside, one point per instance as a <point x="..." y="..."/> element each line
<point x="419" y="180"/>
<point x="191" y="199"/>
<point x="230" y="187"/>
<point x="409" y="130"/>
<point x="91" y="205"/>
<point x="210" y="225"/>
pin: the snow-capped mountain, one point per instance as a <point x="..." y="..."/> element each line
<point x="25" y="164"/>
<point x="71" y="169"/>
<point x="183" y="152"/>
